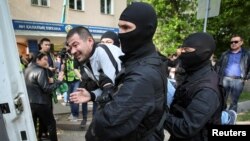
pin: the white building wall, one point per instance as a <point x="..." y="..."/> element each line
<point x="23" y="10"/>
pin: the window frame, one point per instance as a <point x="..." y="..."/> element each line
<point x="75" y="5"/>
<point x="106" y="7"/>
<point x="39" y="3"/>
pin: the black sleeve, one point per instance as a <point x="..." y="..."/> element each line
<point x="195" y="116"/>
<point x="76" y="64"/>
<point x="42" y="80"/>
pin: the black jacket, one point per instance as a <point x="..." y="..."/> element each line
<point x="38" y="87"/>
<point x="192" y="111"/>
<point x="244" y="64"/>
<point x="138" y="105"/>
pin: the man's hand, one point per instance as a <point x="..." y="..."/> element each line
<point x="81" y="95"/>
<point x="51" y="80"/>
<point x="60" y="76"/>
<point x="52" y="69"/>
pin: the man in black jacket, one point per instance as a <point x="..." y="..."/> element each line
<point x="233" y="68"/>
<point x="133" y="111"/>
<point x="39" y="91"/>
<point x="197" y="102"/>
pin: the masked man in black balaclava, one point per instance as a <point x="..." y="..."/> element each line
<point x="137" y="31"/>
<point x="197" y="102"/>
<point x="134" y="109"/>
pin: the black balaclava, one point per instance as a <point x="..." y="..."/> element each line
<point x="204" y="45"/>
<point x="112" y="35"/>
<point x="144" y="17"/>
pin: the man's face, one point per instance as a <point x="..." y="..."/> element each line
<point x="79" y="48"/>
<point x="107" y="41"/>
<point x="43" y="62"/>
<point x="45" y="46"/>
<point x="236" y="43"/>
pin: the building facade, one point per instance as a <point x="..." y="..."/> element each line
<point x="35" y="19"/>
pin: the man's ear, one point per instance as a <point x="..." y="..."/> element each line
<point x="90" y="41"/>
<point x="242" y="42"/>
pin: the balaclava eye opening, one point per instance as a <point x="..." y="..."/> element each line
<point x="144" y="17"/>
<point x="204" y="46"/>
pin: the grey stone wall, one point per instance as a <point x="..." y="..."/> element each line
<point x="247" y="86"/>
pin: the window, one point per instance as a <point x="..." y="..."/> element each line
<point x="34" y="2"/>
<point x="76" y="4"/>
<point x="40" y="2"/>
<point x="107" y="7"/>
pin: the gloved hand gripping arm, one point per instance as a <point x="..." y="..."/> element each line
<point x="106" y="84"/>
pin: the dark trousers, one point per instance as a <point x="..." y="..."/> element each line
<point x="85" y="109"/>
<point x="42" y="130"/>
<point x="44" y="113"/>
<point x="73" y="106"/>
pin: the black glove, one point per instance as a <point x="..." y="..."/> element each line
<point x="103" y="79"/>
<point x="106" y="95"/>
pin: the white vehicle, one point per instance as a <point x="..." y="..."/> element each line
<point x="16" y="123"/>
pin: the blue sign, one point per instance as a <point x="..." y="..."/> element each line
<point x="56" y="27"/>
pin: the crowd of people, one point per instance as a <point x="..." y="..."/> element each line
<point x="128" y="81"/>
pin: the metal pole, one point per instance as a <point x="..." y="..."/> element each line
<point x="63" y="18"/>
<point x="206" y="16"/>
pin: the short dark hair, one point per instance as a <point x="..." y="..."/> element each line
<point x="39" y="56"/>
<point x="236" y="35"/>
<point x="82" y="31"/>
<point x="43" y="40"/>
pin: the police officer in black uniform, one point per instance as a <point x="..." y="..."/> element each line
<point x="197" y="102"/>
<point x="133" y="111"/>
